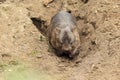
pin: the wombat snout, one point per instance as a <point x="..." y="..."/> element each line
<point x="63" y="34"/>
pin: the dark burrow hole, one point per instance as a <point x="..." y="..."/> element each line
<point x="40" y="25"/>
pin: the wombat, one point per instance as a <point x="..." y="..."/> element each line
<point x="63" y="34"/>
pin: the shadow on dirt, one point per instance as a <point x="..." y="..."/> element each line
<point x="40" y="25"/>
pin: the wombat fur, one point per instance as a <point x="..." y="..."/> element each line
<point x="63" y="34"/>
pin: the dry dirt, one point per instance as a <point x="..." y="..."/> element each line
<point x="26" y="55"/>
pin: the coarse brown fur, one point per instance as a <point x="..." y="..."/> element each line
<point x="63" y="34"/>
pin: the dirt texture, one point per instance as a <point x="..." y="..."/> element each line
<point x="22" y="42"/>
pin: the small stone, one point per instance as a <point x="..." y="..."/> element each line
<point x="39" y="56"/>
<point x="60" y="65"/>
<point x="46" y="2"/>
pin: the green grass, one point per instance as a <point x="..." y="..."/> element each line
<point x="41" y="38"/>
<point x="15" y="62"/>
<point x="3" y="66"/>
<point x="22" y="73"/>
<point x="32" y="53"/>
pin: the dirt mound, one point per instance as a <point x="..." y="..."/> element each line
<point x="23" y="44"/>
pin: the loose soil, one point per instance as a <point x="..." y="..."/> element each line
<point x="26" y="55"/>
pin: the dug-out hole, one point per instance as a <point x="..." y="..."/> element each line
<point x="40" y="24"/>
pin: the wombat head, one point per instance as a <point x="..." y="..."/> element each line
<point x="66" y="41"/>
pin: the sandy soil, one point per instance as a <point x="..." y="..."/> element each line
<point x="23" y="47"/>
